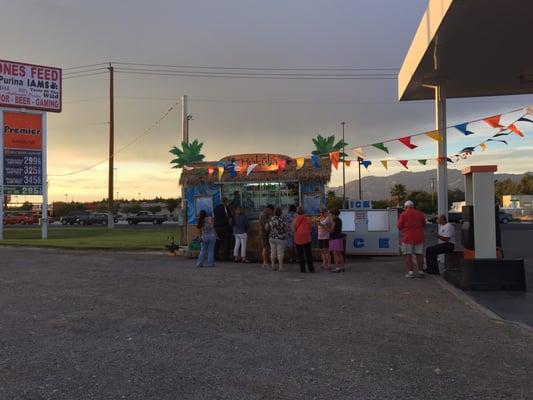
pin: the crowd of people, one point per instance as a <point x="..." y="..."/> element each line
<point x="284" y="237"/>
<point x="287" y="238"/>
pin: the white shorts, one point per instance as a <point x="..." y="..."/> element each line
<point x="408" y="248"/>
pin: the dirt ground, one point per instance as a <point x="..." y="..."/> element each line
<point x="102" y="325"/>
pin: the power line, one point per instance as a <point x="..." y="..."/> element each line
<point x="83" y="75"/>
<point x="79" y="125"/>
<point x="84" y="66"/>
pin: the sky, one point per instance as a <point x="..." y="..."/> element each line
<point x="230" y="116"/>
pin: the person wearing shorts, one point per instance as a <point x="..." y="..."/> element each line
<point x="323" y="223"/>
<point x="336" y="241"/>
<point x="411" y="225"/>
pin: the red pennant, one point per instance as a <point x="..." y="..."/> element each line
<point x="347" y="162"/>
<point x="334" y="157"/>
<point x="404" y="162"/>
<point x="494" y="121"/>
<point x="514" y="129"/>
<point x="407" y="141"/>
<point x="211" y="171"/>
<point x="281" y="165"/>
<point x="441" y="160"/>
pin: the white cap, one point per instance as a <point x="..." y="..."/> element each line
<point x="409" y="204"/>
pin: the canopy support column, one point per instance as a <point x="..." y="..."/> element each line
<point x="442" y="164"/>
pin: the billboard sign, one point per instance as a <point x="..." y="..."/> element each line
<point x="23" y="153"/>
<point x="29" y="86"/>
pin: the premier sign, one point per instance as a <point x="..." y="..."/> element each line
<point x="29" y="86"/>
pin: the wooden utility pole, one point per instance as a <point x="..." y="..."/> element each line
<point x="110" y="217"/>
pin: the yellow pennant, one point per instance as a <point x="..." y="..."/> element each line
<point x="483" y="146"/>
<point x="300" y="163"/>
<point x="385" y="163"/>
<point x="435" y="135"/>
<point x="220" y="172"/>
<point x="359" y="152"/>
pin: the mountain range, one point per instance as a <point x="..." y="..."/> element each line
<point x="379" y="187"/>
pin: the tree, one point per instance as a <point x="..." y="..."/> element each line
<point x="422" y="201"/>
<point x="189" y="153"/>
<point x="61" y="209"/>
<point x="132" y="208"/>
<point x="154" y="209"/>
<point x="26" y="206"/>
<point x="526" y="185"/>
<point x="172" y="204"/>
<point x="332" y="201"/>
<point x="324" y="146"/>
<point x="455" y="195"/>
<point x="381" y="204"/>
<point x="399" y="192"/>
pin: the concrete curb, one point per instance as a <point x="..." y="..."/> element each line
<point x="469" y="301"/>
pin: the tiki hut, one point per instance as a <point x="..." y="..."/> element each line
<point x="276" y="180"/>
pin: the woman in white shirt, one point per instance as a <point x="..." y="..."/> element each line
<point x="446" y="236"/>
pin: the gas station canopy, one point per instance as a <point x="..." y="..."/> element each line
<point x="472" y="48"/>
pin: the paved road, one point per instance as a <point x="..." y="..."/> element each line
<point x="89" y="325"/>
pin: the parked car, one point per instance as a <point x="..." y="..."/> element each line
<point x="504" y="217"/>
<point x="145" y="216"/>
<point x="453" y="217"/>
<point x="94" y="219"/>
<point x="13" y="219"/>
<point x="71" y="219"/>
<point x="30" y="219"/>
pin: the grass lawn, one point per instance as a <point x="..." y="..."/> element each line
<point x="92" y="238"/>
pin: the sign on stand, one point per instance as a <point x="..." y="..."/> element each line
<point x="28" y="90"/>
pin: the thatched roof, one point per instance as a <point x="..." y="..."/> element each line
<point x="307" y="173"/>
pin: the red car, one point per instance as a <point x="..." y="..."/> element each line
<point x="13" y="219"/>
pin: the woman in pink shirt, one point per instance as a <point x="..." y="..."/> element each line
<point x="302" y="240"/>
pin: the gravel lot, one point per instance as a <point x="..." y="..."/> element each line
<point x="97" y="325"/>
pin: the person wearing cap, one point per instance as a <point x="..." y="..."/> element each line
<point x="411" y="225"/>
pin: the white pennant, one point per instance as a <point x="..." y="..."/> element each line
<point x="250" y="168"/>
<point x="188" y="168"/>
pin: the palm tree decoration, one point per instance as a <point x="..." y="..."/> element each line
<point x="326" y="145"/>
<point x="399" y="192"/>
<point x="189" y="153"/>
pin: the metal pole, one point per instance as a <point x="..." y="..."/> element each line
<point x="359" y="161"/>
<point x="44" y="206"/>
<point x="442" y="166"/>
<point x="185" y="118"/>
<point x="110" y="208"/>
<point x="2" y="195"/>
<point x="343" y="169"/>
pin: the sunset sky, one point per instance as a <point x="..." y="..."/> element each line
<point x="231" y="115"/>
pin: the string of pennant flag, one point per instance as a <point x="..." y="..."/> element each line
<point x="501" y="132"/>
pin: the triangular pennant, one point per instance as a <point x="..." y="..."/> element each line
<point x="347" y="162"/>
<point x="494" y="121"/>
<point x="483" y="146"/>
<point x="359" y="152"/>
<point x="366" y="163"/>
<point x="514" y="129"/>
<point x="187" y="168"/>
<point x="231" y="171"/>
<point x="435" y="135"/>
<point x="211" y="171"/>
<point x="407" y="142"/>
<point x="524" y="119"/>
<point x="502" y="134"/>
<point x="497" y="140"/>
<point x="315" y="160"/>
<point x="468" y="150"/>
<point x="250" y="168"/>
<point x="423" y="162"/>
<point x="281" y="165"/>
<point x="404" y="163"/>
<point x="385" y="164"/>
<point x="220" y="172"/>
<point x="440" y="160"/>
<point x="334" y="157"/>
<point x="300" y="163"/>
<point x="463" y="129"/>
<point x="381" y="146"/>
<point x="449" y="160"/>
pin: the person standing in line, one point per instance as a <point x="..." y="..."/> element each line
<point x="446" y="236"/>
<point x="290" y="234"/>
<point x="411" y="225"/>
<point x="324" y="223"/>
<point x="336" y="241"/>
<point x="264" y="219"/>
<point x="208" y="236"/>
<point x="240" y="230"/>
<point x="302" y="240"/>
<point x="277" y="228"/>
<point x="223" y="229"/>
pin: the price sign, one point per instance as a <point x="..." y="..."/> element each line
<point x="23" y="161"/>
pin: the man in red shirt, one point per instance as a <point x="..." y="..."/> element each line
<point x="411" y="225"/>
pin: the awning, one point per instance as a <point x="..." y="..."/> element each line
<point x="471" y="47"/>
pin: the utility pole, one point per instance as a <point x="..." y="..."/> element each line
<point x="343" y="169"/>
<point x="359" y="161"/>
<point x="110" y="218"/>
<point x="185" y="118"/>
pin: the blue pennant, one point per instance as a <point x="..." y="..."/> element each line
<point x="231" y="171"/>
<point x="463" y="130"/>
<point x="524" y="119"/>
<point x="315" y="160"/>
<point x="366" y="163"/>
